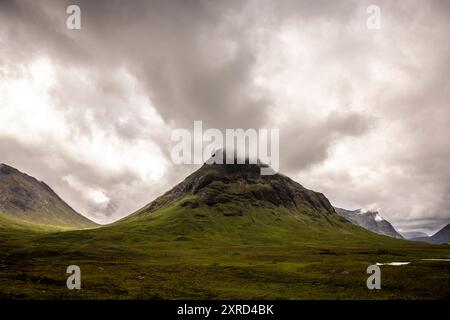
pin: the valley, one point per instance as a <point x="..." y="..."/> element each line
<point x="151" y="265"/>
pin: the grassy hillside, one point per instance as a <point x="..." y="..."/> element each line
<point x="10" y="225"/>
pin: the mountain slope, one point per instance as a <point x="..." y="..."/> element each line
<point x="24" y="199"/>
<point x="370" y="220"/>
<point x="440" y="237"/>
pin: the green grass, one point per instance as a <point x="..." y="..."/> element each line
<point x="8" y="224"/>
<point x="204" y="253"/>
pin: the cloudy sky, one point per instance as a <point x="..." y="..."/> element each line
<point x="364" y="115"/>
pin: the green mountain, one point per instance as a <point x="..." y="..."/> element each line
<point x="25" y="201"/>
<point x="237" y="202"/>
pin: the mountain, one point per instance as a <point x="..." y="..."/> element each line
<point x="414" y="234"/>
<point x="24" y="199"/>
<point x="237" y="203"/>
<point x="232" y="188"/>
<point x="370" y="220"/>
<point x="440" y="237"/>
<point x="237" y="185"/>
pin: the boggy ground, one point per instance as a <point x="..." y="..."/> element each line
<point x="202" y="254"/>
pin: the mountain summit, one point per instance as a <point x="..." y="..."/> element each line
<point x="25" y="199"/>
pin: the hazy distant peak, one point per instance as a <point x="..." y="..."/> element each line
<point x="440" y="237"/>
<point x="370" y="220"/>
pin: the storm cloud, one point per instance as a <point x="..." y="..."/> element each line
<point x="363" y="114"/>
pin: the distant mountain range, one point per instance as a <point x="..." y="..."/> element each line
<point x="440" y="237"/>
<point x="370" y="220"/>
<point x="24" y="199"/>
<point x="413" y="234"/>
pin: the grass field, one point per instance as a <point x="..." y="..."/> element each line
<point x="180" y="253"/>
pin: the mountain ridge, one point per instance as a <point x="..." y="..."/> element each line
<point x="25" y="198"/>
<point x="369" y="220"/>
<point x="440" y="237"/>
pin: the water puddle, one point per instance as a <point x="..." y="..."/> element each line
<point x="403" y="263"/>
<point x="437" y="260"/>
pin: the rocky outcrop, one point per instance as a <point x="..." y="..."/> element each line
<point x="242" y="184"/>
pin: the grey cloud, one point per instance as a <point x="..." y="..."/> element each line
<point x="304" y="144"/>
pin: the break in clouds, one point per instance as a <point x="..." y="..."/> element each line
<point x="364" y="115"/>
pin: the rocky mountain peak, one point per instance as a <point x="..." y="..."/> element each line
<point x="242" y="184"/>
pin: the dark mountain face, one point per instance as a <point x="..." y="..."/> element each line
<point x="239" y="185"/>
<point x="370" y="220"/>
<point x="24" y="198"/>
<point x="440" y="237"/>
